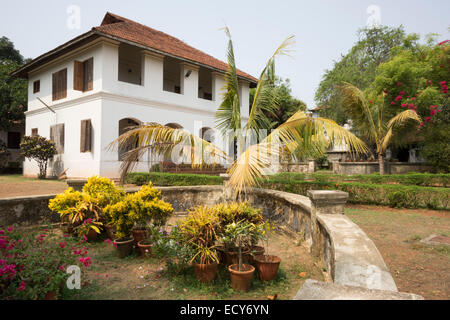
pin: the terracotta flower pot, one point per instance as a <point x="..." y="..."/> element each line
<point x="267" y="267"/>
<point x="124" y="246"/>
<point x="256" y="251"/>
<point x="232" y="257"/>
<point x="139" y="235"/>
<point x="91" y="235"/>
<point x="145" y="249"/>
<point x="241" y="280"/>
<point x="110" y="231"/>
<point x="205" y="272"/>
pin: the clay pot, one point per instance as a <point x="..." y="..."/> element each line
<point x="110" y="231"/>
<point x="232" y="257"/>
<point x="139" y="235"/>
<point x="267" y="267"/>
<point x="241" y="280"/>
<point x="91" y="235"/>
<point x="256" y="251"/>
<point x="145" y="249"/>
<point x="124" y="246"/>
<point x="205" y="272"/>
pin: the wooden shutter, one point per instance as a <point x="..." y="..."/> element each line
<point x="89" y="74"/>
<point x="86" y="136"/>
<point x="59" y="84"/>
<point x="34" y="132"/>
<point x="61" y="137"/>
<point x="78" y="76"/>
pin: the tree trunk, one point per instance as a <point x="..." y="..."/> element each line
<point x="381" y="163"/>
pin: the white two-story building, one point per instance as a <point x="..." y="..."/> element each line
<point x="88" y="91"/>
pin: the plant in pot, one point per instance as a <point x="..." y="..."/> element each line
<point x="198" y="231"/>
<point x="267" y="265"/>
<point x="135" y="212"/>
<point x="154" y="234"/>
<point x="241" y="274"/>
<point x="89" y="229"/>
<point x="235" y="212"/>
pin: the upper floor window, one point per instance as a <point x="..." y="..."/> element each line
<point x="130" y="64"/>
<point x="36" y="86"/>
<point x="172" y="75"/>
<point x="59" y="85"/>
<point x="205" y="84"/>
<point x="83" y="75"/>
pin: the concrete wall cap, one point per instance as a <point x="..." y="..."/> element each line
<point x="328" y="195"/>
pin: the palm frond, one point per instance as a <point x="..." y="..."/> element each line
<point x="228" y="115"/>
<point x="163" y="140"/>
<point x="265" y="101"/>
<point x="354" y="103"/>
<point x="397" y="122"/>
<point x="300" y="132"/>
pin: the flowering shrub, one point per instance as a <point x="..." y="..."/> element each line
<point x="139" y="209"/>
<point x="39" y="149"/>
<point x="76" y="206"/>
<point x="33" y="264"/>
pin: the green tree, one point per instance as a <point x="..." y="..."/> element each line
<point x="13" y="91"/>
<point x="287" y="104"/>
<point x="40" y="149"/>
<point x="358" y="66"/>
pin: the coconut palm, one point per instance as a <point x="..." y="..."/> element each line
<point x="372" y="118"/>
<point x="300" y="134"/>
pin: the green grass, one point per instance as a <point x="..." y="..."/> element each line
<point x="15" y="178"/>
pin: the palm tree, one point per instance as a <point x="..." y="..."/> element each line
<point x="300" y="134"/>
<point x="371" y="119"/>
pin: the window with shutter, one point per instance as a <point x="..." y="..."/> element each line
<point x="57" y="136"/>
<point x="86" y="136"/>
<point x="83" y="75"/>
<point x="59" y="85"/>
<point x="34" y="132"/>
<point x="36" y="86"/>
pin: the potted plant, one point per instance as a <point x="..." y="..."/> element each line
<point x="235" y="212"/>
<point x="145" y="246"/>
<point x="198" y="232"/>
<point x="241" y="274"/>
<point x="89" y="229"/>
<point x="267" y="265"/>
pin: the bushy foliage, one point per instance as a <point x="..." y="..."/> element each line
<point x="172" y="179"/>
<point x="138" y="210"/>
<point x="39" y="149"/>
<point x="33" y="263"/>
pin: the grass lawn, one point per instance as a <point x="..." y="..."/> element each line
<point x="416" y="267"/>
<point x="15" y="185"/>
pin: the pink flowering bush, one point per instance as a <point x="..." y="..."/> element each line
<point x="33" y="264"/>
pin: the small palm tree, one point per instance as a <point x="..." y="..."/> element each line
<point x="372" y="119"/>
<point x="301" y="134"/>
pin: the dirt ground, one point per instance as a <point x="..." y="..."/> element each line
<point x="416" y="267"/>
<point x="17" y="186"/>
<point x="145" y="278"/>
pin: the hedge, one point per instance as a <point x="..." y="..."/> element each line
<point x="394" y="195"/>
<point x="398" y="196"/>
<point x="172" y="179"/>
<point x="418" y="179"/>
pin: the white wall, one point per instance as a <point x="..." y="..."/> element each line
<point x="112" y="100"/>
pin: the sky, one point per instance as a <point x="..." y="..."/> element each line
<point x="323" y="30"/>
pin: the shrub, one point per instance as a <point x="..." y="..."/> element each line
<point x="139" y="209"/>
<point x="33" y="264"/>
<point x="172" y="179"/>
<point x="398" y="199"/>
<point x="39" y="149"/>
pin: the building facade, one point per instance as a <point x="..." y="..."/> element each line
<point x="87" y="92"/>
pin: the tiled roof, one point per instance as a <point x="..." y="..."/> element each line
<point x="132" y="31"/>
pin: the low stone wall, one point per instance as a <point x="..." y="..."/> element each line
<point x="354" y="168"/>
<point x="352" y="259"/>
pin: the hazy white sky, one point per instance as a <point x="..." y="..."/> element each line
<point x="323" y="29"/>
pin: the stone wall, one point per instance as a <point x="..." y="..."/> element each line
<point x="354" y="168"/>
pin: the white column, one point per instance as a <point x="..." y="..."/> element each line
<point x="218" y="86"/>
<point x="110" y="65"/>
<point x="153" y="72"/>
<point x="244" y="95"/>
<point x="189" y="84"/>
